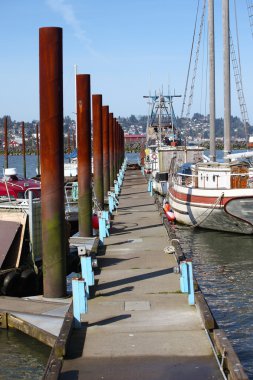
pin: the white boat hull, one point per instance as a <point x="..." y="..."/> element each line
<point x="223" y="210"/>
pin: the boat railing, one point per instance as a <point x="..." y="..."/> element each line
<point x="33" y="189"/>
<point x="71" y="195"/>
<point x="191" y="180"/>
<point x="11" y="184"/>
<point x="183" y="179"/>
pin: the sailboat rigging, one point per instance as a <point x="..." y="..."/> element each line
<point x="215" y="195"/>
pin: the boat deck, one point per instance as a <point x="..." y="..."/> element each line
<point x="139" y="324"/>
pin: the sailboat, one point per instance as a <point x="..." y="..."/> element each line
<point x="215" y="195"/>
<point x="164" y="142"/>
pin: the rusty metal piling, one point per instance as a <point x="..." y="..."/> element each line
<point x="122" y="147"/>
<point x="111" y="149"/>
<point x="106" y="147"/>
<point x="52" y="162"/>
<point x="84" y="154"/>
<point x="114" y="149"/>
<point x="23" y="148"/>
<point x="6" y="150"/>
<point x="98" y="149"/>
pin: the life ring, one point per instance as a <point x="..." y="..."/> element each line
<point x="154" y="156"/>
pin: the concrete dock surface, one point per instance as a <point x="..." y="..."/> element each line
<point x="139" y="325"/>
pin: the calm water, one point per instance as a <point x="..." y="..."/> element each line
<point x="21" y="357"/>
<point x="17" y="162"/>
<point x="223" y="265"/>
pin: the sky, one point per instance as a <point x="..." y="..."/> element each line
<point x="130" y="48"/>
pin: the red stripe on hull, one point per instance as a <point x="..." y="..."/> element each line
<point x="198" y="198"/>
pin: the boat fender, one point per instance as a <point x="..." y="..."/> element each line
<point x="166" y="207"/>
<point x="95" y="222"/>
<point x="11" y="284"/>
<point x="170" y="216"/>
<point x="28" y="282"/>
<point x="154" y="156"/>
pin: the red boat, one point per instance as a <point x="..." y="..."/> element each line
<point x="13" y="187"/>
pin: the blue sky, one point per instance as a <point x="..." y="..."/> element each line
<point x="129" y="48"/>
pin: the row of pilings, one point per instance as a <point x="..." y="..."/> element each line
<point x="107" y="157"/>
<point x="6" y="146"/>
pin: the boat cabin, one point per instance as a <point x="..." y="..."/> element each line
<point x="214" y="175"/>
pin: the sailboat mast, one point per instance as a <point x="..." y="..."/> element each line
<point x="75" y="73"/>
<point x="226" y="68"/>
<point x="159" y="123"/>
<point x="211" y="78"/>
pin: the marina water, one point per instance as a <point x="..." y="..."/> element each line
<point x="223" y="266"/>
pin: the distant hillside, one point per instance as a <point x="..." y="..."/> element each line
<point x="197" y="127"/>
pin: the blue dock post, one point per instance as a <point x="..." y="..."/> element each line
<point x="191" y="299"/>
<point x="150" y="186"/>
<point x="183" y="277"/>
<point x="104" y="225"/>
<point x="120" y="179"/>
<point x="186" y="280"/>
<point x="87" y="272"/>
<point x="113" y="201"/>
<point x="116" y="187"/>
<point x="80" y="305"/>
<point x="86" y="267"/>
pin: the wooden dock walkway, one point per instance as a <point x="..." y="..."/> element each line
<point x="139" y="325"/>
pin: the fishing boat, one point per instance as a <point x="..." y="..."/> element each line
<point x="164" y="143"/>
<point x="250" y="142"/>
<point x="70" y="167"/>
<point x="215" y="195"/>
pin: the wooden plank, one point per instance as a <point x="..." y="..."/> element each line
<point x="29" y="329"/>
<point x="8" y="232"/>
<point x="18" y="217"/>
<point x="231" y="360"/>
<point x="61" y="343"/>
<point x="3" y="320"/>
<point x="54" y="364"/>
<point x="205" y="312"/>
<point x="53" y="368"/>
